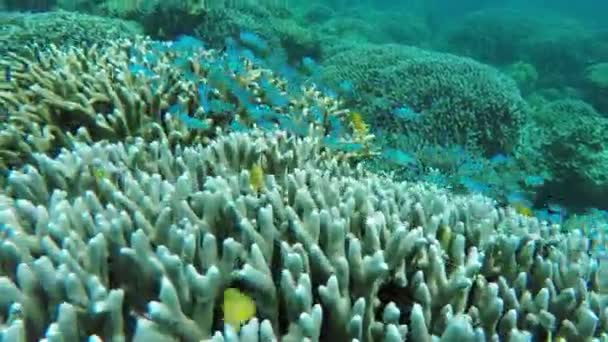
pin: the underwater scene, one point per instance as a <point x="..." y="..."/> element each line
<point x="301" y="170"/>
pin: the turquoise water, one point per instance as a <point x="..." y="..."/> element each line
<point x="503" y="99"/>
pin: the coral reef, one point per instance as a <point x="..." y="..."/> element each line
<point x="279" y="31"/>
<point x="326" y="250"/>
<point x="567" y="139"/>
<point x="20" y="31"/>
<point x="139" y="88"/>
<point x="142" y="180"/>
<point x="460" y="100"/>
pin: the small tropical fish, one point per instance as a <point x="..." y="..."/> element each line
<point x="445" y="236"/>
<point x="523" y="209"/>
<point x="309" y="66"/>
<point x="254" y="42"/>
<point x="273" y="94"/>
<point x="138" y="69"/>
<point x="238" y="308"/>
<point x="521" y="204"/>
<point x="553" y="213"/>
<point x="557" y="209"/>
<point x="219" y="106"/>
<point x="518" y="197"/>
<point x="346" y="88"/>
<point x="358" y="123"/>
<point x="407" y="113"/>
<point x="185" y="42"/>
<point x="99" y="173"/>
<point x="238" y="126"/>
<point x="499" y="159"/>
<point x="193" y="123"/>
<point x="534" y="180"/>
<point x="475" y="186"/>
<point x="399" y="157"/>
<point x="256" y="177"/>
<point x="349" y="147"/>
<point x="203" y="96"/>
<point x="293" y="125"/>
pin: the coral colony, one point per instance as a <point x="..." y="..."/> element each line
<point x="170" y="190"/>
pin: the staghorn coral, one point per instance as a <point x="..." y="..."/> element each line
<point x="142" y="88"/>
<point x="326" y="250"/>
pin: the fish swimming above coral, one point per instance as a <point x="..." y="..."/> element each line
<point x="238" y="308"/>
<point x="256" y="177"/>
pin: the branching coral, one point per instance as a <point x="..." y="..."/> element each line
<point x="19" y="32"/>
<point x="567" y="139"/>
<point x="145" y="88"/>
<point x="326" y="250"/>
<point x="461" y="101"/>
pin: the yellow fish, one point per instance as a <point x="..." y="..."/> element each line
<point x="256" y="177"/>
<point x="238" y="308"/>
<point x="99" y="173"/>
<point x="523" y="209"/>
<point x="359" y="125"/>
<point x="445" y="236"/>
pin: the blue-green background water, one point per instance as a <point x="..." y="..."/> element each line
<point x="508" y="99"/>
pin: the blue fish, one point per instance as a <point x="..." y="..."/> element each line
<point x="499" y="159"/>
<point x="534" y="180"/>
<point x="475" y="186"/>
<point x="519" y="197"/>
<point x="346" y="88"/>
<point x="309" y="66"/>
<point x="553" y="213"/>
<point x="254" y="42"/>
<point x="218" y="106"/>
<point x="544" y="215"/>
<point x="175" y="109"/>
<point x="242" y="94"/>
<point x="203" y="96"/>
<point x="140" y="69"/>
<point x="151" y="58"/>
<point x="317" y="114"/>
<point x="193" y="123"/>
<point x="267" y="125"/>
<point x="406" y="113"/>
<point x="238" y="126"/>
<point x="273" y="94"/>
<point x="293" y="125"/>
<point x="186" y="42"/>
<point x="399" y="157"/>
<point x="334" y="142"/>
<point x="260" y="112"/>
